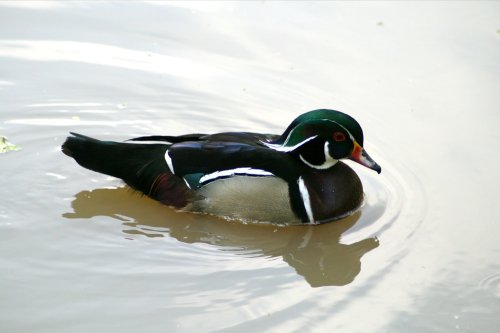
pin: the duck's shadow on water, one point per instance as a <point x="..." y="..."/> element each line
<point x="315" y="252"/>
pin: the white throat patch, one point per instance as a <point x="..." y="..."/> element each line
<point x="329" y="161"/>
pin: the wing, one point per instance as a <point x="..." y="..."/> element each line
<point x="205" y="159"/>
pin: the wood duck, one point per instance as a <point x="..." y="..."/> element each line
<point x="293" y="178"/>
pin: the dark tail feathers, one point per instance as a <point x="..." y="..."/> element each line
<point x="139" y="165"/>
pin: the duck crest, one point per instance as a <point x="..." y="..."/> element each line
<point x="343" y="119"/>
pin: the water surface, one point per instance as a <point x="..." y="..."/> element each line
<point x="80" y="252"/>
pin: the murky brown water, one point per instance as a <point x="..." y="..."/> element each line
<point x="79" y="252"/>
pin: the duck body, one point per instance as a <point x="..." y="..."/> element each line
<point x="293" y="178"/>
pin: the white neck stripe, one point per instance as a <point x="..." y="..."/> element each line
<point x="168" y="159"/>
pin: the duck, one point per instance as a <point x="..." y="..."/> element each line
<point x="297" y="177"/>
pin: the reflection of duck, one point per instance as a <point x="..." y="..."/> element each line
<point x="293" y="178"/>
<point x="315" y="252"/>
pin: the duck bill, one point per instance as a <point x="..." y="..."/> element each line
<point x="360" y="155"/>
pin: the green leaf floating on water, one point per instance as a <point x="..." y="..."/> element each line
<point x="6" y="146"/>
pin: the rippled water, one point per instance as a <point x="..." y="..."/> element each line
<point x="79" y="251"/>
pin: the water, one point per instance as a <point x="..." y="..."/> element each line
<point x="81" y="252"/>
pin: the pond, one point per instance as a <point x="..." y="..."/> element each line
<point x="80" y="251"/>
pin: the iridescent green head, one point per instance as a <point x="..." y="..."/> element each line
<point x="322" y="137"/>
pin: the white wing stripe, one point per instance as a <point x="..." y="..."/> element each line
<point x="233" y="172"/>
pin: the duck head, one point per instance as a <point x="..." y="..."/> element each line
<point x="322" y="137"/>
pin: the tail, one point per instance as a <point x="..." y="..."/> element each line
<point x="141" y="166"/>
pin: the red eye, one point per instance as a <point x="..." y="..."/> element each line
<point x="338" y="136"/>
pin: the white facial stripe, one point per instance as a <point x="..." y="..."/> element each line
<point x="345" y="129"/>
<point x="233" y="172"/>
<point x="168" y="159"/>
<point x="329" y="160"/>
<point x="289" y="136"/>
<point x="287" y="149"/>
<point x="304" y="193"/>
